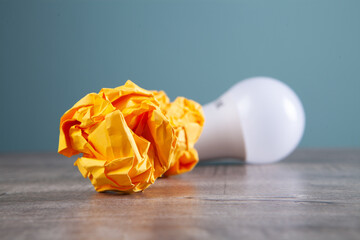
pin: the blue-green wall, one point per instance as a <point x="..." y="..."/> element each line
<point x="53" y="52"/>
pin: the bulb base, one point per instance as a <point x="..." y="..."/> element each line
<point x="222" y="135"/>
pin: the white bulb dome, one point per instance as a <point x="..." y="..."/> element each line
<point x="259" y="120"/>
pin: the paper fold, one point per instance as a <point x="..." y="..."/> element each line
<point x="129" y="136"/>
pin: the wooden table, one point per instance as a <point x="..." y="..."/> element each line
<point x="313" y="194"/>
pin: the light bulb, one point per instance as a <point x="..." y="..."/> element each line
<point x="258" y="120"/>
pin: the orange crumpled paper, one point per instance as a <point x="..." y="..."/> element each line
<point x="130" y="136"/>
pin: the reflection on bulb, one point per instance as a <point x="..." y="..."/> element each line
<point x="290" y="109"/>
<point x="259" y="120"/>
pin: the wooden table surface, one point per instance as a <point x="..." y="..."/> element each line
<point x="313" y="194"/>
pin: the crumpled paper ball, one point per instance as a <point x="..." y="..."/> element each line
<point x="129" y="136"/>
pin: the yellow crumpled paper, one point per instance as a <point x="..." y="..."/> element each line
<point x="130" y="136"/>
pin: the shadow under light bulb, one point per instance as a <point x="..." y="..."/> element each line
<point x="258" y="120"/>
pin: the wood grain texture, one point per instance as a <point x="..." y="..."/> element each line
<point x="314" y="194"/>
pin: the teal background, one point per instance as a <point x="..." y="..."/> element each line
<point x="54" y="52"/>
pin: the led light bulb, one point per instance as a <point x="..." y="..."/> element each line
<point x="259" y="120"/>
